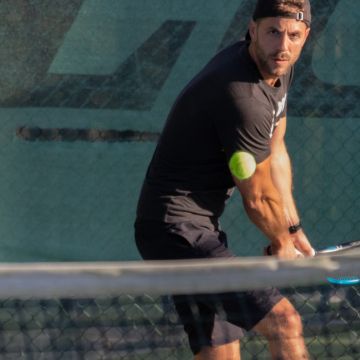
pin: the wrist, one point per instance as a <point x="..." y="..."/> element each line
<point x="293" y="229"/>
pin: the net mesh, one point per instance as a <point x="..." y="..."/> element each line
<point x="124" y="311"/>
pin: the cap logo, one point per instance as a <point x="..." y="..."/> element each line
<point x="300" y="16"/>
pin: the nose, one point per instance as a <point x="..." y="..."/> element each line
<point x="283" y="43"/>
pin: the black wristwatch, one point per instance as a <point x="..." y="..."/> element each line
<point x="295" y="228"/>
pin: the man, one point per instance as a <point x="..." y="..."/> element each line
<point x="227" y="129"/>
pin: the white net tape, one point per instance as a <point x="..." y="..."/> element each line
<point x="51" y="280"/>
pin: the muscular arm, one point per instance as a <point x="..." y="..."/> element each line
<point x="281" y="174"/>
<point x="268" y="200"/>
<point x="264" y="207"/>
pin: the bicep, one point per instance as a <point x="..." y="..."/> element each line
<point x="258" y="184"/>
<point x="281" y="171"/>
<point x="277" y="143"/>
<point x="278" y="139"/>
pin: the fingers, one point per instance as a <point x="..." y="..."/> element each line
<point x="299" y="254"/>
<point x="302" y="244"/>
<point x="285" y="252"/>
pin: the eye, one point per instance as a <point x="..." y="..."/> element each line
<point x="294" y="36"/>
<point x="274" y="32"/>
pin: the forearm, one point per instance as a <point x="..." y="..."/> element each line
<point x="267" y="214"/>
<point x="281" y="173"/>
<point x="264" y="205"/>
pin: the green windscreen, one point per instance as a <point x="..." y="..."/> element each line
<point x="86" y="86"/>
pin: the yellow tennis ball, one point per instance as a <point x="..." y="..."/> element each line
<point x="242" y="165"/>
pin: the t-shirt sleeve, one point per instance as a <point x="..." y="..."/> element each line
<point x="245" y="125"/>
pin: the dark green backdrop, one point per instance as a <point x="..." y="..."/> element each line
<point x="118" y="65"/>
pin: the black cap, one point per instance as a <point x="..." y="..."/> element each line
<point x="272" y="8"/>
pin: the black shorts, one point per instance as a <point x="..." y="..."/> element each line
<point x="208" y="319"/>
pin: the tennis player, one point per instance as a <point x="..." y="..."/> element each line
<point x="226" y="130"/>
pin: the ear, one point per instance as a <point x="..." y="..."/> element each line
<point x="307" y="32"/>
<point x="252" y="30"/>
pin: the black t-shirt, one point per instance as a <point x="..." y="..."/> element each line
<point x="227" y="107"/>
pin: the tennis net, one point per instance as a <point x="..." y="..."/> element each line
<point x="124" y="311"/>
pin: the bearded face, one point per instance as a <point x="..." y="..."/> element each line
<point x="276" y="44"/>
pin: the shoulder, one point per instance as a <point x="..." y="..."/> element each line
<point x="232" y="64"/>
<point x="249" y="99"/>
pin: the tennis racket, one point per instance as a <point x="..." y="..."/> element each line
<point x="341" y="249"/>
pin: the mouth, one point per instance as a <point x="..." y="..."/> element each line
<point x="280" y="59"/>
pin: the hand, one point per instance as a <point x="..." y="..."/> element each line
<point x="287" y="252"/>
<point x="302" y="243"/>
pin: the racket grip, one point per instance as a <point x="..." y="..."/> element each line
<point x="268" y="251"/>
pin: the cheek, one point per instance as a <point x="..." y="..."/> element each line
<point x="296" y="51"/>
<point x="263" y="49"/>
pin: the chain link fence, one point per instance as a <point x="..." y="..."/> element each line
<point x="146" y="327"/>
<point x="82" y="105"/>
<point x="86" y="86"/>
